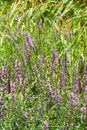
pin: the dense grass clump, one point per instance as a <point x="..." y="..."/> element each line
<point x="43" y="65"/>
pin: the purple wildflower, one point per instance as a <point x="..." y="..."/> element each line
<point x="28" y="40"/>
<point x="77" y="86"/>
<point x="84" y="110"/>
<point x="18" y="74"/>
<point x="73" y="98"/>
<point x="12" y="86"/>
<point x="41" y="21"/>
<point x="42" y="60"/>
<point x="46" y="124"/>
<point x="17" y="66"/>
<point x="16" y="17"/>
<point x="84" y="79"/>
<point x="43" y="128"/>
<point x="53" y="57"/>
<point x="25" y="114"/>
<point x="85" y="96"/>
<point x="59" y="61"/>
<point x="86" y="89"/>
<point x="86" y="68"/>
<point x="62" y="79"/>
<point x="48" y="85"/>
<point x="39" y="24"/>
<point x="26" y="51"/>
<point x="56" y="96"/>
<point x="19" y="79"/>
<point x="3" y="70"/>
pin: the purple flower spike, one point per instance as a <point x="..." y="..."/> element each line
<point x="25" y="114"/>
<point x="73" y="98"/>
<point x="46" y="124"/>
<point x="39" y="24"/>
<point x="62" y="79"/>
<point x="28" y="40"/>
<point x="26" y="51"/>
<point x="59" y="61"/>
<point x="3" y="70"/>
<point x="53" y="57"/>
<point x="86" y="68"/>
<point x="84" y="110"/>
<point x="42" y="60"/>
<point x="86" y="89"/>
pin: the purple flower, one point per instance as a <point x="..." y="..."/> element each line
<point x="48" y="85"/>
<point x="25" y="114"/>
<point x="46" y="124"/>
<point x="39" y="24"/>
<point x="53" y="57"/>
<point x="59" y="61"/>
<point x="42" y="60"/>
<point x="12" y="86"/>
<point x="85" y="96"/>
<point x="84" y="79"/>
<point x="62" y="79"/>
<point x="56" y="96"/>
<point x="28" y="40"/>
<point x="73" y="98"/>
<point x="41" y="21"/>
<point x="74" y="101"/>
<point x="86" y="89"/>
<point x="16" y="17"/>
<point x="3" y="70"/>
<point x="77" y="86"/>
<point x="43" y="128"/>
<point x="19" y="79"/>
<point x="83" y="109"/>
<point x="73" y="95"/>
<point x="86" y="68"/>
<point x="26" y="51"/>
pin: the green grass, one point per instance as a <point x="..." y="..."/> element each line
<point x="39" y="91"/>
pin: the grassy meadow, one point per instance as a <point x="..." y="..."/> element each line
<point x="43" y="65"/>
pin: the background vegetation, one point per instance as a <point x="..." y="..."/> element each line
<point x="43" y="65"/>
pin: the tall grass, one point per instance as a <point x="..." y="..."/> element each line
<point x="43" y="65"/>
